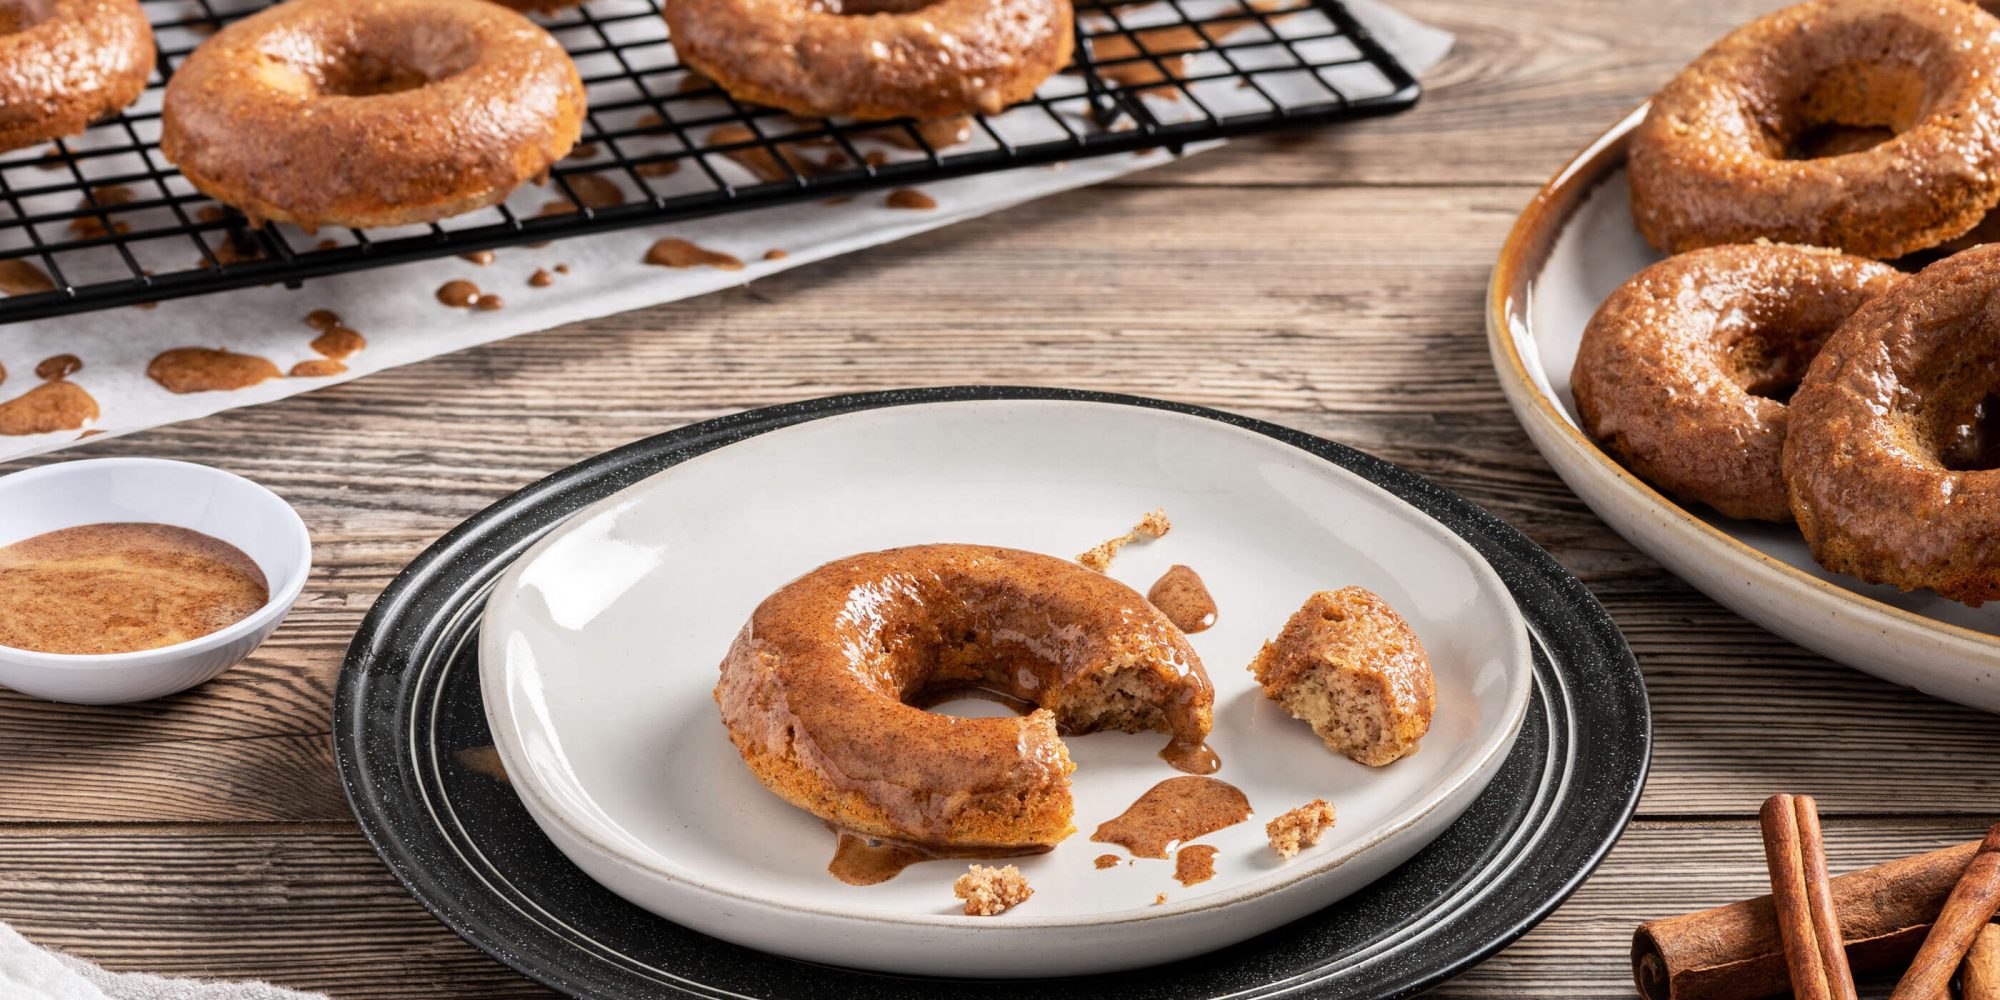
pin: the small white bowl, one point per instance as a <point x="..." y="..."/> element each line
<point x="216" y="503"/>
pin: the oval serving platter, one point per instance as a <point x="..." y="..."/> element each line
<point x="413" y="744"/>
<point x="1573" y="245"/>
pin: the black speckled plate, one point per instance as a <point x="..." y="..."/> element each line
<point x="408" y="703"/>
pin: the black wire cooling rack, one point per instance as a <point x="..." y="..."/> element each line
<point x="104" y="220"/>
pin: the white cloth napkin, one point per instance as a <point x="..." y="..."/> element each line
<point x="29" y="973"/>
<point x="396" y="309"/>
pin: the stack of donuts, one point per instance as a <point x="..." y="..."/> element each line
<point x="1786" y="364"/>
<point x="387" y="112"/>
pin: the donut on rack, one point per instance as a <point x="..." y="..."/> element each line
<point x="815" y="690"/>
<point x="1890" y="461"/>
<point x="67" y="63"/>
<point x="1683" y="370"/>
<point x="874" y="59"/>
<point x="1871" y="126"/>
<point x="371" y="112"/>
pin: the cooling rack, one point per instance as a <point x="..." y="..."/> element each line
<point x="103" y="220"/>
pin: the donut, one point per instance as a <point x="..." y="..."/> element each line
<point x="371" y="112"/>
<point x="1882" y="480"/>
<point x="1684" y="370"/>
<point x="816" y="690"/>
<point x="1348" y="665"/>
<point x="1731" y="150"/>
<point x="873" y="59"/>
<point x="67" y="63"/>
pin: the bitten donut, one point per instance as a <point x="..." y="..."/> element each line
<point x="815" y="690"/>
<point x="1881" y="478"/>
<point x="67" y="63"/>
<point x="874" y="59"/>
<point x="371" y="112"/>
<point x="1717" y="159"/>
<point x="1683" y="371"/>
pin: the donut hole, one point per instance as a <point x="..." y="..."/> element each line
<point x="1850" y="108"/>
<point x="20" y="15"/>
<point x="1970" y="438"/>
<point x="1772" y="366"/>
<point x="866" y="7"/>
<point x="370" y="63"/>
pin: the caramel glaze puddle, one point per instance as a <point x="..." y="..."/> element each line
<point x="483" y="761"/>
<point x="51" y="406"/>
<point x="458" y="293"/>
<point x="938" y="133"/>
<point x="480" y="257"/>
<point x="680" y="253"/>
<point x="775" y="254"/>
<point x="1106" y="861"/>
<point x="202" y="369"/>
<point x="541" y="279"/>
<point x="58" y="367"/>
<point x="1194" y="863"/>
<point x="489" y="302"/>
<point x="338" y="343"/>
<point x="323" y="319"/>
<point x="20" y="277"/>
<point x="1140" y="72"/>
<point x="1174" y="811"/>
<point x="1192" y="756"/>
<point x="595" y="191"/>
<point x="316" y="368"/>
<point x="1184" y="599"/>
<point x="118" y="587"/>
<point x="90" y="227"/>
<point x="910" y="198"/>
<point x="862" y="860"/>
<point x="760" y="161"/>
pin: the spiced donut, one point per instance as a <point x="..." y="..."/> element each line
<point x="1683" y="371"/>
<point x="371" y="112"/>
<point x="1890" y="461"/>
<point x="1772" y="133"/>
<point x="816" y="690"/>
<point x="67" y="63"/>
<point x="873" y="59"/>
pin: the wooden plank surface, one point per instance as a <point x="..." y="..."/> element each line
<point x="1330" y="280"/>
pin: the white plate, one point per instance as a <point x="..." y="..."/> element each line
<point x="1571" y="248"/>
<point x="600" y="648"/>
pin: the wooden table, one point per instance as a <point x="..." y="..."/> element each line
<point x="1331" y="280"/>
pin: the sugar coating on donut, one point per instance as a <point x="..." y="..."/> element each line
<point x="1300" y="828"/>
<point x="1351" y="667"/>
<point x="1153" y="525"/>
<point x="990" y="891"/>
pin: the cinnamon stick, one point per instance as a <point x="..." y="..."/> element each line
<point x="1979" y="977"/>
<point x="1734" y="952"/>
<point x="1970" y="908"/>
<point x="1807" y="924"/>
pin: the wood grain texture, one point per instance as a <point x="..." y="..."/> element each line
<point x="1330" y="281"/>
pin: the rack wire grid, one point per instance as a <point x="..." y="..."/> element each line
<point x="103" y="220"/>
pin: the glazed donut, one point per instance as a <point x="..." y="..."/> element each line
<point x="1881" y="481"/>
<point x="67" y="63"/>
<point x="1683" y="370"/>
<point x="1713" y="161"/>
<point x="371" y="112"/>
<point x="815" y="690"/>
<point x="873" y="59"/>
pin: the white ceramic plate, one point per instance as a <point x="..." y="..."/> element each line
<point x="601" y="645"/>
<point x="1571" y="248"/>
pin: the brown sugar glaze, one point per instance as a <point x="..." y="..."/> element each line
<point x="202" y="369"/>
<point x="20" y="277"/>
<point x="1104" y="861"/>
<point x="1184" y="599"/>
<point x="58" y="366"/>
<point x="1194" y="863"/>
<point x="862" y="860"/>
<point x="118" y="587"/>
<point x="52" y="406"/>
<point x="1174" y="811"/>
<point x="458" y="293"/>
<point x="673" y="252"/>
<point x="910" y="198"/>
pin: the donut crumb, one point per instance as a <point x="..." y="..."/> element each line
<point x="1153" y="525"/>
<point x="989" y="891"/>
<point x="1299" y="828"/>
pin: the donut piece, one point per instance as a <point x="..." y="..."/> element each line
<point x="1722" y="154"/>
<point x="873" y="59"/>
<point x="815" y="690"/>
<point x="1889" y="478"/>
<point x="371" y="112"/>
<point x="67" y="63"/>
<point x="1684" y="370"/>
<point x="1352" y="668"/>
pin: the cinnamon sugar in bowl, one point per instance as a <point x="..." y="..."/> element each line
<point x="124" y="579"/>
